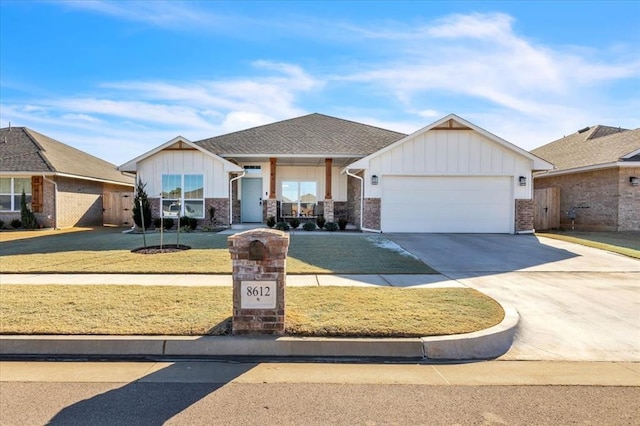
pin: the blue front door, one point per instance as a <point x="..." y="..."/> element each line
<point x="251" y="204"/>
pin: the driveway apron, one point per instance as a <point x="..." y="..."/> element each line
<point x="576" y="303"/>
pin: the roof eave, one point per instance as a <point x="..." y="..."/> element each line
<point x="588" y="168"/>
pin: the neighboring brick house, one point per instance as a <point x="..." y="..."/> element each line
<point x="598" y="175"/>
<point x="450" y="176"/>
<point x="64" y="186"/>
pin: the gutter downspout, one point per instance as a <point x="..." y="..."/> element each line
<point x="362" y="228"/>
<point x="231" y="197"/>
<point x="55" y="199"/>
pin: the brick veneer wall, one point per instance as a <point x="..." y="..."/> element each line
<point x="79" y="202"/>
<point x="353" y="200"/>
<point x="524" y="215"/>
<point x="599" y="190"/>
<point x="629" y="200"/>
<point x="371" y="213"/>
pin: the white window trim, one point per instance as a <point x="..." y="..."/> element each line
<point x="13" y="194"/>
<point x="182" y="200"/>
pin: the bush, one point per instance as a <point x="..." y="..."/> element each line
<point x="320" y="221"/>
<point x="186" y="228"/>
<point x="144" y="211"/>
<point x="188" y="221"/>
<point x="331" y="226"/>
<point x="168" y="222"/>
<point x="295" y="222"/>
<point x="271" y="221"/>
<point x="16" y="223"/>
<point x="1" y="223"/>
<point x="282" y="226"/>
<point x="342" y="223"/>
<point x="309" y="226"/>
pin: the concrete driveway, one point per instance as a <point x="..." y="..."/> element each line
<point x="575" y="302"/>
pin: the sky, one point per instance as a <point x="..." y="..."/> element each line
<point x="119" y="78"/>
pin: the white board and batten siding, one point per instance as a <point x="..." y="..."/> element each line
<point x="216" y="180"/>
<point x="448" y="181"/>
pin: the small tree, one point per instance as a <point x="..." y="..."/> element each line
<point x="141" y="199"/>
<point x="28" y="219"/>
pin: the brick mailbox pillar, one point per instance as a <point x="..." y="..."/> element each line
<point x="259" y="259"/>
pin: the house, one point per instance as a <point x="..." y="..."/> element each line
<point x="598" y="177"/>
<point x="64" y="186"/>
<point x="450" y="176"/>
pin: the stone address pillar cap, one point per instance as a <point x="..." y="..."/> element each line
<point x="263" y="235"/>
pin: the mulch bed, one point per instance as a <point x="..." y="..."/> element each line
<point x="165" y="248"/>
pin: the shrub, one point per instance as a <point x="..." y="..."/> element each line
<point x="16" y="223"/>
<point x="189" y="221"/>
<point x="212" y="215"/>
<point x="309" y="226"/>
<point x="29" y="220"/>
<point x="320" y="221"/>
<point x="186" y="228"/>
<point x="143" y="211"/>
<point x="1" y="223"/>
<point x="282" y="226"/>
<point x="157" y="222"/>
<point x="168" y="223"/>
<point x="271" y="221"/>
<point x="342" y="223"/>
<point x="331" y="226"/>
<point x="295" y="222"/>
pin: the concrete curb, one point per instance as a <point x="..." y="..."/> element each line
<point x="484" y="344"/>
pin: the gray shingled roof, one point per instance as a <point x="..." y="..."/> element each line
<point x="313" y="134"/>
<point x="24" y="150"/>
<point x="589" y="147"/>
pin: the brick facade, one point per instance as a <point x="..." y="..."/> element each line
<point x="605" y="199"/>
<point x="524" y="215"/>
<point x="353" y="200"/>
<point x="371" y="213"/>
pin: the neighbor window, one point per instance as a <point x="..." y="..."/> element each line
<point x="299" y="198"/>
<point x="11" y="191"/>
<point x="183" y="195"/>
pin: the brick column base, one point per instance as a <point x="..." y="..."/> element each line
<point x="524" y="215"/>
<point x="328" y="211"/>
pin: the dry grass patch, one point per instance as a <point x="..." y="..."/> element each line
<point x="625" y="243"/>
<point x="311" y="311"/>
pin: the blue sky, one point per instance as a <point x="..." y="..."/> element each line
<point x="118" y="78"/>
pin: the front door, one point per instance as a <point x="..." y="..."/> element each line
<point x="251" y="205"/>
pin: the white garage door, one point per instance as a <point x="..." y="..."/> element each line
<point x="447" y="204"/>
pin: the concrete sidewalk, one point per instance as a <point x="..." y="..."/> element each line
<point x="187" y="280"/>
<point x="493" y="373"/>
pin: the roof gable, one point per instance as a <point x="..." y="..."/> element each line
<point x="313" y="134"/>
<point x="178" y="143"/>
<point x="453" y="122"/>
<point x="596" y="145"/>
<point x="27" y="151"/>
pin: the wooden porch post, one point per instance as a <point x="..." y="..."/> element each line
<point x="272" y="181"/>
<point x="327" y="178"/>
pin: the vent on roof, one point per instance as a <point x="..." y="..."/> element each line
<point x="583" y="130"/>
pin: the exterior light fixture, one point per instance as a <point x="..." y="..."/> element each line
<point x="522" y="180"/>
<point x="374" y="179"/>
<point x="634" y="181"/>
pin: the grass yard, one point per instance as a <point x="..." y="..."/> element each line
<point x="311" y="311"/>
<point x="626" y="243"/>
<point x="107" y="250"/>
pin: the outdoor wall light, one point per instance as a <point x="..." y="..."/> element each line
<point x="522" y="180"/>
<point x="374" y="179"/>
<point x="634" y="181"/>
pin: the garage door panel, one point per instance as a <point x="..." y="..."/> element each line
<point x="447" y="204"/>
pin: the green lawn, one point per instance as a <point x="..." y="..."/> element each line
<point x="311" y="311"/>
<point x="108" y="250"/>
<point x="626" y="243"/>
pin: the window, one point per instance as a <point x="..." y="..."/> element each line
<point x="253" y="170"/>
<point x="299" y="198"/>
<point x="183" y="195"/>
<point x="11" y="193"/>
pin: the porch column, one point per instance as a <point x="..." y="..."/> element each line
<point x="328" y="199"/>
<point x="271" y="203"/>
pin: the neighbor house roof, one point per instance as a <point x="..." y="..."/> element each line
<point x="23" y="150"/>
<point x="591" y="146"/>
<point x="313" y="134"/>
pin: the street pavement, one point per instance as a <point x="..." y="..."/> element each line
<point x="575" y="302"/>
